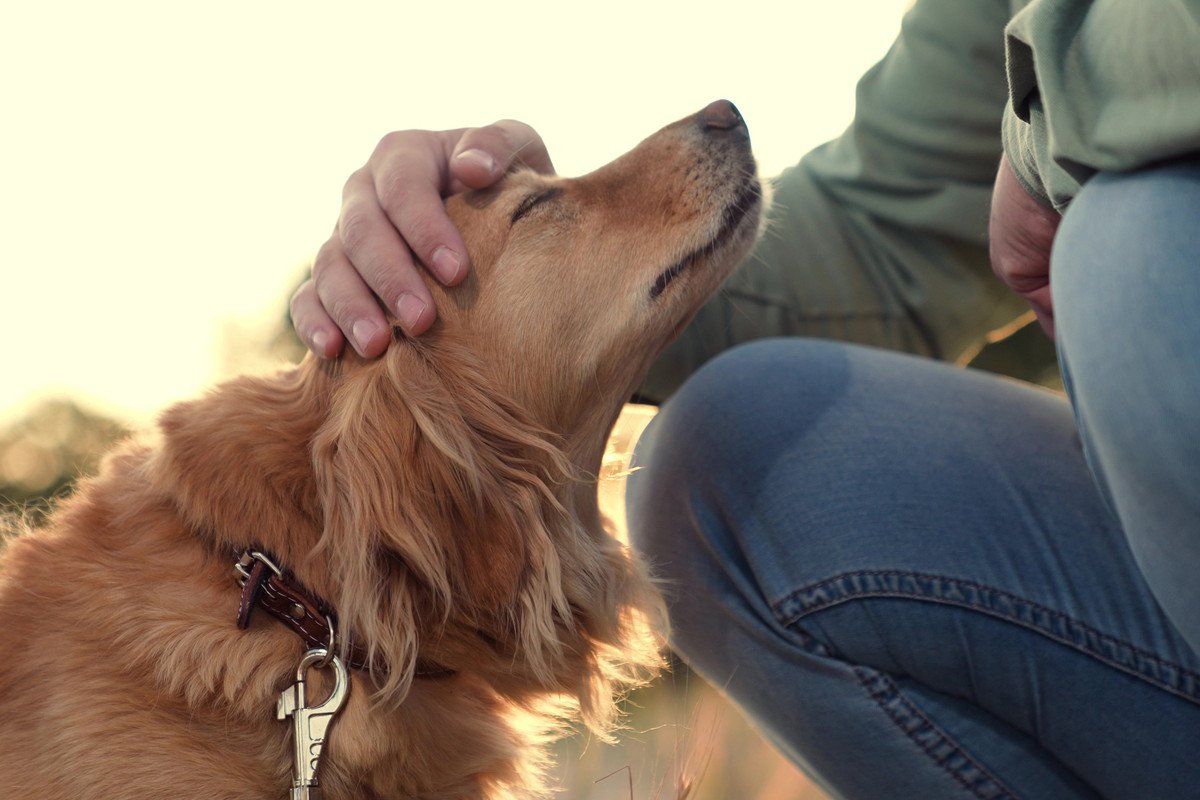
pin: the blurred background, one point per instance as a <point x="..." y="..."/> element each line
<point x="168" y="170"/>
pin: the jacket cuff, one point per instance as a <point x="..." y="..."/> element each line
<point x="1021" y="146"/>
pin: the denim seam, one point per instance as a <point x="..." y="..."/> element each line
<point x="884" y="691"/>
<point x="804" y="601"/>
<point x="867" y="677"/>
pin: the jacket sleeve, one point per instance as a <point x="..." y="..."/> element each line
<point x="879" y="236"/>
<point x="1100" y="85"/>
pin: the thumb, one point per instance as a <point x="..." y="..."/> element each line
<point x="483" y="155"/>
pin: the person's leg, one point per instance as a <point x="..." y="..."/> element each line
<point x="1125" y="277"/>
<point x="904" y="573"/>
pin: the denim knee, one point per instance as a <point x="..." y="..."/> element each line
<point x="854" y="541"/>
<point x="699" y="467"/>
<point x="724" y="418"/>
<point x="786" y="463"/>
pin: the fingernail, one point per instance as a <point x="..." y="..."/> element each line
<point x="409" y="308"/>
<point x="363" y="330"/>
<point x="478" y="158"/>
<point x="446" y="264"/>
<point x="319" y="339"/>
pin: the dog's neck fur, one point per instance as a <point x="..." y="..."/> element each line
<point x="215" y="463"/>
<point x="216" y="467"/>
<point x="430" y="512"/>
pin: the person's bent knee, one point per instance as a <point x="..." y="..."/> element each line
<point x="725" y="417"/>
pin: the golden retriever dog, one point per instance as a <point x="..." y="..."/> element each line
<point x="437" y="507"/>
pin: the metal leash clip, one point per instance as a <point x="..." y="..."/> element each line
<point x="310" y="725"/>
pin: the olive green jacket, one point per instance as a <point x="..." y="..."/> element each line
<point x="879" y="236"/>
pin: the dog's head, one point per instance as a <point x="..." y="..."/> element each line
<point x="457" y="473"/>
<point x="579" y="282"/>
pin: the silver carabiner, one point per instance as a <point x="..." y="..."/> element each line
<point x="311" y="724"/>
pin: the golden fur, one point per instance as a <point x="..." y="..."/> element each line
<point x="442" y="498"/>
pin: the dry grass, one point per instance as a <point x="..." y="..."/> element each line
<point x="684" y="740"/>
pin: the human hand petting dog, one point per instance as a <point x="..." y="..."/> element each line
<point x="393" y="224"/>
<point x="1020" y="234"/>
<point x="392" y="217"/>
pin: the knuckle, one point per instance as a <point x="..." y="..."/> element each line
<point x="422" y="233"/>
<point x="388" y="141"/>
<point x="392" y="141"/>
<point x="1001" y="254"/>
<point x="398" y="143"/>
<point x="355" y="230"/>
<point x="393" y="189"/>
<point x="1003" y="269"/>
<point x="514" y="126"/>
<point x="486" y="138"/>
<point x="352" y="184"/>
<point x="341" y="308"/>
<point x="328" y="253"/>
<point x="996" y="257"/>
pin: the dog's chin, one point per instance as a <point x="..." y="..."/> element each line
<point x="707" y="267"/>
<point x="739" y="215"/>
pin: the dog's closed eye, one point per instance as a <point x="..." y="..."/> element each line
<point x="533" y="201"/>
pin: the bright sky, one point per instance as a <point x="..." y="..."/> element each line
<point x="167" y="169"/>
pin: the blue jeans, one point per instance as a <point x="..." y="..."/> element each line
<point x="926" y="582"/>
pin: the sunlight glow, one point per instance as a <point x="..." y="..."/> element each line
<point x="167" y="169"/>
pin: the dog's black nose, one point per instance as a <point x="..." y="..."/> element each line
<point x="721" y="115"/>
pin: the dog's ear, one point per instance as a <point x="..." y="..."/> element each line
<point x="232" y="460"/>
<point x="440" y="499"/>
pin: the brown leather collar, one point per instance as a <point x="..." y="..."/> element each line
<point x="266" y="585"/>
